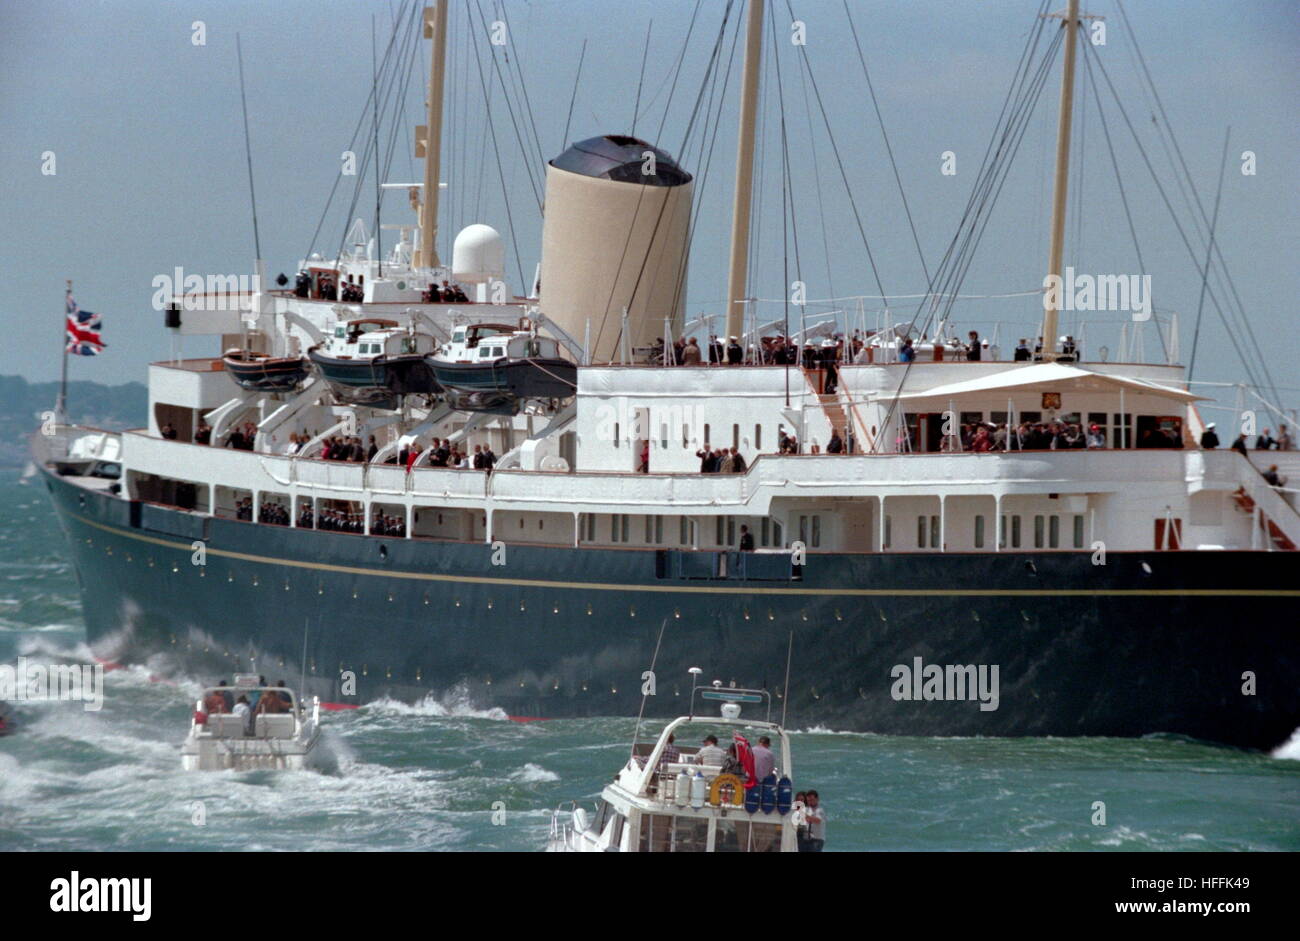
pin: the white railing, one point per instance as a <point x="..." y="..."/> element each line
<point x="770" y="475"/>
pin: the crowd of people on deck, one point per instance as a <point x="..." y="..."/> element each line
<point x="447" y="294"/>
<point x="721" y="461"/>
<point x="831" y="351"/>
<point x="269" y="511"/>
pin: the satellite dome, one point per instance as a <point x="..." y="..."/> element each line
<point x="622" y="159"/>
<point x="478" y="255"/>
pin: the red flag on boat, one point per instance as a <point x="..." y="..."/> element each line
<point x="745" y="755"/>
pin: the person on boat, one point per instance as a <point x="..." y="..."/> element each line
<point x="644" y="466"/>
<point x="671" y="754"/>
<point x="973" y="347"/>
<point x="489" y="458"/>
<point x="746" y="539"/>
<point x="815" y="814"/>
<point x="1265" y="441"/>
<point x="906" y="353"/>
<point x="1209" y="440"/>
<point x="1240" y="444"/>
<point x="735" y="354"/>
<point x="764" y="758"/>
<point x="1283" y="442"/>
<point x="836" y="444"/>
<point x="691" y="353"/>
<point x="731" y="763"/>
<point x="432" y="295"/>
<point x="204" y="433"/>
<point x="738" y="465"/>
<point x="1273" y="478"/>
<point x="710" y="753"/>
<point x="1022" y="354"/>
<point x="214" y="703"/>
<point x="242" y="708"/>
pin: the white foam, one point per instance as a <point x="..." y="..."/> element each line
<point x="453" y="704"/>
<point x="534" y="774"/>
<point x="1290" y="749"/>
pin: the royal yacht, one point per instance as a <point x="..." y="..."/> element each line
<point x="1119" y="589"/>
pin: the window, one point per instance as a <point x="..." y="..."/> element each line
<point x="731" y="530"/>
<point x="616" y="434"/>
<point x="684" y="531"/>
<point x="706" y="434"/>
<point x="1054" y="531"/>
<point x="889" y="531"/>
<point x="1078" y="531"/>
<point x="1122" y="430"/>
<point x="686" y="436"/>
<point x="618" y="527"/>
<point x="758" y="437"/>
<point x="920" y="532"/>
<point x="1039" y="530"/>
<point x="1002" y="531"/>
<point x="776" y="534"/>
<point x="765" y="530"/>
<point x="654" y="529"/>
<point x="589" y="527"/>
<point x="1015" y="532"/>
<point x="803" y="530"/>
<point x="935" y="540"/>
<point x="663" y="436"/>
<point x="735" y="436"/>
<point x="816" y="531"/>
<point x="979" y="532"/>
<point x="718" y="524"/>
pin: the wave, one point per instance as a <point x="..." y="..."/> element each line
<point x="1290" y="749"/>
<point x="455" y="703"/>
<point x="534" y="774"/>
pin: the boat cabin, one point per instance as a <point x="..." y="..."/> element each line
<point x="373" y="337"/>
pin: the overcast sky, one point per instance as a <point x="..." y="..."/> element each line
<point x="146" y="131"/>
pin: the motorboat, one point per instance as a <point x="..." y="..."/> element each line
<point x="493" y="366"/>
<point x="372" y="361"/>
<point x="261" y="372"/>
<point x="283" y="736"/>
<point x="671" y="799"/>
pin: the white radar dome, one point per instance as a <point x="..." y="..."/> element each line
<point x="478" y="255"/>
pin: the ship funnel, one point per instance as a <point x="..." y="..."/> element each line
<point x="617" y="216"/>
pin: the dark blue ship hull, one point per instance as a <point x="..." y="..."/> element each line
<point x="1161" y="642"/>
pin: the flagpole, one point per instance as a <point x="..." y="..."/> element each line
<point x="61" y="407"/>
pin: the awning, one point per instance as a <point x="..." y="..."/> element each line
<point x="1051" y="377"/>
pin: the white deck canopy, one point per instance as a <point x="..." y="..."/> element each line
<point x="1056" y="375"/>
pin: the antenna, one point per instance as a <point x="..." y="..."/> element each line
<point x="302" y="677"/>
<point x="248" y="149"/>
<point x="785" y="690"/>
<point x="653" y="660"/>
<point x="374" y="78"/>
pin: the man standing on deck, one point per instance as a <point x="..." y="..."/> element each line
<point x="764" y="759"/>
<point x="1209" y="440"/>
<point x="815" y="814"/>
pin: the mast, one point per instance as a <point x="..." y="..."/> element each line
<point x="428" y="139"/>
<point x="738" y="273"/>
<point x="1050" y="319"/>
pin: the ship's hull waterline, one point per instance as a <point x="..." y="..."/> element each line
<point x="1146" y="643"/>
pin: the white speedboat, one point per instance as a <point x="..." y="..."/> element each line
<point x="667" y="800"/>
<point x="284" y="737"/>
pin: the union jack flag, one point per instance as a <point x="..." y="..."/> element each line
<point x="82" y="330"/>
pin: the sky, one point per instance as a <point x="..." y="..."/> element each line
<point x="149" y="167"/>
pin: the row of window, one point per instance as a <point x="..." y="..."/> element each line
<point x="708" y="436"/>
<point x="768" y="533"/>
<point x="1047" y="531"/>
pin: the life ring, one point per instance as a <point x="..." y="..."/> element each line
<point x="737" y="793"/>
